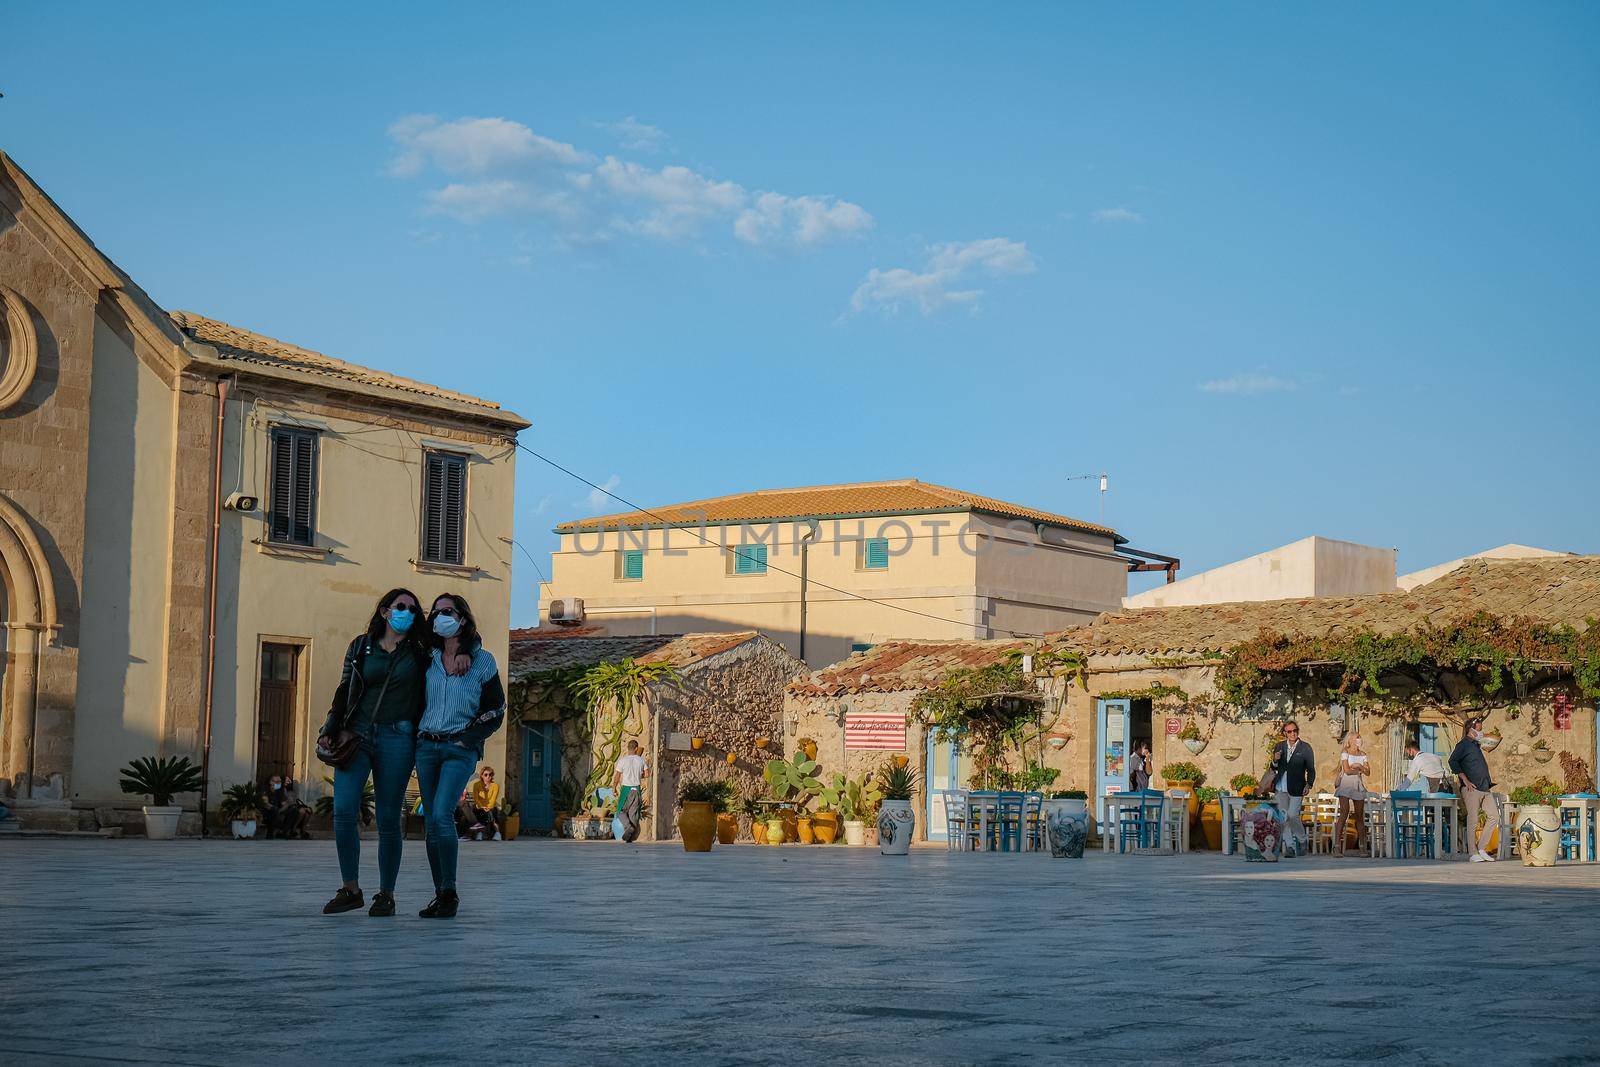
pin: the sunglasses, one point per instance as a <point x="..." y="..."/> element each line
<point x="445" y="611"/>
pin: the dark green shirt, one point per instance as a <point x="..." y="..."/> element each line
<point x="400" y="698"/>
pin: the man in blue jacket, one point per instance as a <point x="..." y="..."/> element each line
<point x="1467" y="761"/>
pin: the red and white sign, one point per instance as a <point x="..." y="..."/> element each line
<point x="1562" y="713"/>
<point x="882" y="730"/>
<point x="1174" y="726"/>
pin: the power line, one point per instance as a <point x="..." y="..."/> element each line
<point x="537" y="569"/>
<point x="810" y="581"/>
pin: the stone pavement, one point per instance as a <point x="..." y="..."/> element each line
<point x="205" y="953"/>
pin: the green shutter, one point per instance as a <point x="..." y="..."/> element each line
<point x="750" y="559"/>
<point x="876" y="554"/>
<point x="633" y="564"/>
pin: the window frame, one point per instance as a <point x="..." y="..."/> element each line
<point x="313" y="487"/>
<point x="624" y="556"/>
<point x="448" y="459"/>
<point x="864" y="554"/>
<point x="737" y="554"/>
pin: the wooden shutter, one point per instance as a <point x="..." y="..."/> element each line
<point x="877" y="554"/>
<point x="444" y="508"/>
<point x="292" y="514"/>
<point x="633" y="564"/>
<point x="750" y="559"/>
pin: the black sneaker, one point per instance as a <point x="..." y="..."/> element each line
<point x="344" y="900"/>
<point x="442" y="906"/>
<point x="382" y="904"/>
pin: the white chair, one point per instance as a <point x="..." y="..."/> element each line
<point x="1321" y="816"/>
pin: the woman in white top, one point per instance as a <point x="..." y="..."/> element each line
<point x="1350" y="787"/>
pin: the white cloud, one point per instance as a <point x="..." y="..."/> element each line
<point x="1116" y="214"/>
<point x="544" y="503"/>
<point x="597" y="500"/>
<point x="635" y="136"/>
<point x="473" y="146"/>
<point x="805" y="220"/>
<point x="935" y="286"/>
<point x="1248" y="385"/>
<point x="677" y="199"/>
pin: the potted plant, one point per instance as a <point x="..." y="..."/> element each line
<point x="566" y="796"/>
<point x="897" y="822"/>
<point x="1191" y="738"/>
<point x="858" y="806"/>
<point x="834" y="801"/>
<point x="697" y="801"/>
<point x="795" y="781"/>
<point x="509" y="819"/>
<point x="161" y="780"/>
<point x="369" y="802"/>
<point x="1210" y="816"/>
<point x="808" y="746"/>
<point x="241" y="806"/>
<point x="727" y="821"/>
<point x="1186" y="776"/>
<point x="1491" y="739"/>
<point x="776" y="830"/>
<point x="751" y="807"/>
<point x="1066" y="821"/>
<point x="1538" y="825"/>
<point x="1244" y="784"/>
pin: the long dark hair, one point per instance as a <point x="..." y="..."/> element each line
<point x="467" y="636"/>
<point x="380" y="622"/>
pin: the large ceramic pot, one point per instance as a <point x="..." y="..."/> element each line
<point x="1539" y="834"/>
<point x="855" y="832"/>
<point x="807" y="835"/>
<point x="243" y="828"/>
<point x="775" y="831"/>
<point x="697" y="825"/>
<point x="791" y="824"/>
<point x="161" y="824"/>
<point x="1261" y="831"/>
<point x="1066" y="820"/>
<point x="896" y="825"/>
<point x="758" y="831"/>
<point x="510" y="827"/>
<point x="1211" y="823"/>
<point x="727" y="829"/>
<point x="825" y="825"/>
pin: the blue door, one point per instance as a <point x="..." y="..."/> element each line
<point x="1114" y="735"/>
<point x="541" y="767"/>
<point x="941" y="772"/>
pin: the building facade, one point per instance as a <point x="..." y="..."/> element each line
<point x="877" y="561"/>
<point x="1309" y="567"/>
<point x="195" y="520"/>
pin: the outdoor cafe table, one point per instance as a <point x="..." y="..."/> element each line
<point x="1177" y="811"/>
<point x="1441" y="805"/>
<point x="1588" y="809"/>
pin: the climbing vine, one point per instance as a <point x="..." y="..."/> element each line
<point x="1476" y="662"/>
<point x="610" y="694"/>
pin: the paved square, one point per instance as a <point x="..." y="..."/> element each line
<point x="206" y="953"/>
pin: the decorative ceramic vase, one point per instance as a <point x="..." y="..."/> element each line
<point x="696" y="742"/>
<point x="855" y="832"/>
<point x="758" y="831"/>
<point x="161" y="823"/>
<point x="1211" y="823"/>
<point x="1066" y="820"/>
<point x="791" y="824"/>
<point x="243" y="828"/>
<point x="825" y="825"/>
<point x="872" y="834"/>
<point x="896" y="824"/>
<point x="1539" y="834"/>
<point x="1261" y="831"/>
<point x="727" y="829"/>
<point x="803" y="828"/>
<point x="697" y="825"/>
<point x="775" y="832"/>
<point x="1194" y="744"/>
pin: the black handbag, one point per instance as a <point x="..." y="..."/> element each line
<point x="343" y="753"/>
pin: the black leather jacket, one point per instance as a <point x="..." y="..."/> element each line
<point x="353" y="685"/>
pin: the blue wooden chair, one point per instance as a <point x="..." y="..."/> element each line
<point x="955" y="819"/>
<point x="1035" y="834"/>
<point x="1571" y="847"/>
<point x="1008" y="821"/>
<point x="979" y="798"/>
<point x="1413" y="837"/>
<point x="1141" y="823"/>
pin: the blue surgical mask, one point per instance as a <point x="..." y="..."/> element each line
<point x="400" y="619"/>
<point x="446" y="625"/>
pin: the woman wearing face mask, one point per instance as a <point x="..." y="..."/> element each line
<point x="464" y="706"/>
<point x="379" y="700"/>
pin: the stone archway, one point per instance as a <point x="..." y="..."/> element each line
<point x="30" y="619"/>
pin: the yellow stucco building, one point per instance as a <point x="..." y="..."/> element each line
<point x="194" y="521"/>
<point x="876" y="560"/>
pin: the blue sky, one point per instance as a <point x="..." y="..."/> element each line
<point x="1280" y="271"/>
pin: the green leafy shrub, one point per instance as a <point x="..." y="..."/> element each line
<point x="161" y="779"/>
<point x="1070" y="794"/>
<point x="1244" y="783"/>
<point x="1183" y="772"/>
<point x="795" y="781"/>
<point x="716" y="792"/>
<point x="240" y="801"/>
<point x="1190" y="732"/>
<point x="1205" y="794"/>
<point x="1542" y="791"/>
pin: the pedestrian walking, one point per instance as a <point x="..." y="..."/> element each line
<point x="1468" y="761"/>
<point x="1350" y="786"/>
<point x="370" y="732"/>
<point x="626" y="778"/>
<point x="465" y="704"/>
<point x="1294" y="769"/>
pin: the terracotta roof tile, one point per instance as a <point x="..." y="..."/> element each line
<point x="1562" y="589"/>
<point x="233" y="342"/>
<point x="897" y="666"/>
<point x="538" y="651"/>
<point x="902" y="497"/>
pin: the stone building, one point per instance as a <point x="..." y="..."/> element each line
<point x="194" y="521"/>
<point x="727" y="700"/>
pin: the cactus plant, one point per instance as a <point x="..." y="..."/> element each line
<point x="794" y="780"/>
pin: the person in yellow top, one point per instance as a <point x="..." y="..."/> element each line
<point x="485" y="799"/>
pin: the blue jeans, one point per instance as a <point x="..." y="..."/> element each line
<point x="442" y="771"/>
<point x="387" y="754"/>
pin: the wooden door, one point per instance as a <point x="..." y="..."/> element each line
<point x="277" y="704"/>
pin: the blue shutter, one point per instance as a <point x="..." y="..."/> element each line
<point x="876" y="554"/>
<point x="633" y="564"/>
<point x="750" y="559"/>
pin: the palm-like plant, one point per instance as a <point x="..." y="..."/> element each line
<point x="161" y="779"/>
<point x="240" y="801"/>
<point x="369" y="802"/>
<point x="897" y="783"/>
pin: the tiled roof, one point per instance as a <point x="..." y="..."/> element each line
<point x="1563" y="589"/>
<point x="906" y="496"/>
<point x="897" y="666"/>
<point x="545" y="650"/>
<point x="232" y="342"/>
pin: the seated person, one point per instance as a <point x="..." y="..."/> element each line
<point x="296" y="817"/>
<point x="485" y="794"/>
<point x="464" y="814"/>
<point x="274" y="814"/>
<point x="1424" y="770"/>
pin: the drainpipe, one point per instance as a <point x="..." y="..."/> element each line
<point x="805" y="569"/>
<point x="211" y="611"/>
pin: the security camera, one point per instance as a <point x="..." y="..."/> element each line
<point x="240" y="502"/>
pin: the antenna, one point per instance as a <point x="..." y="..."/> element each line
<point x="1105" y="485"/>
